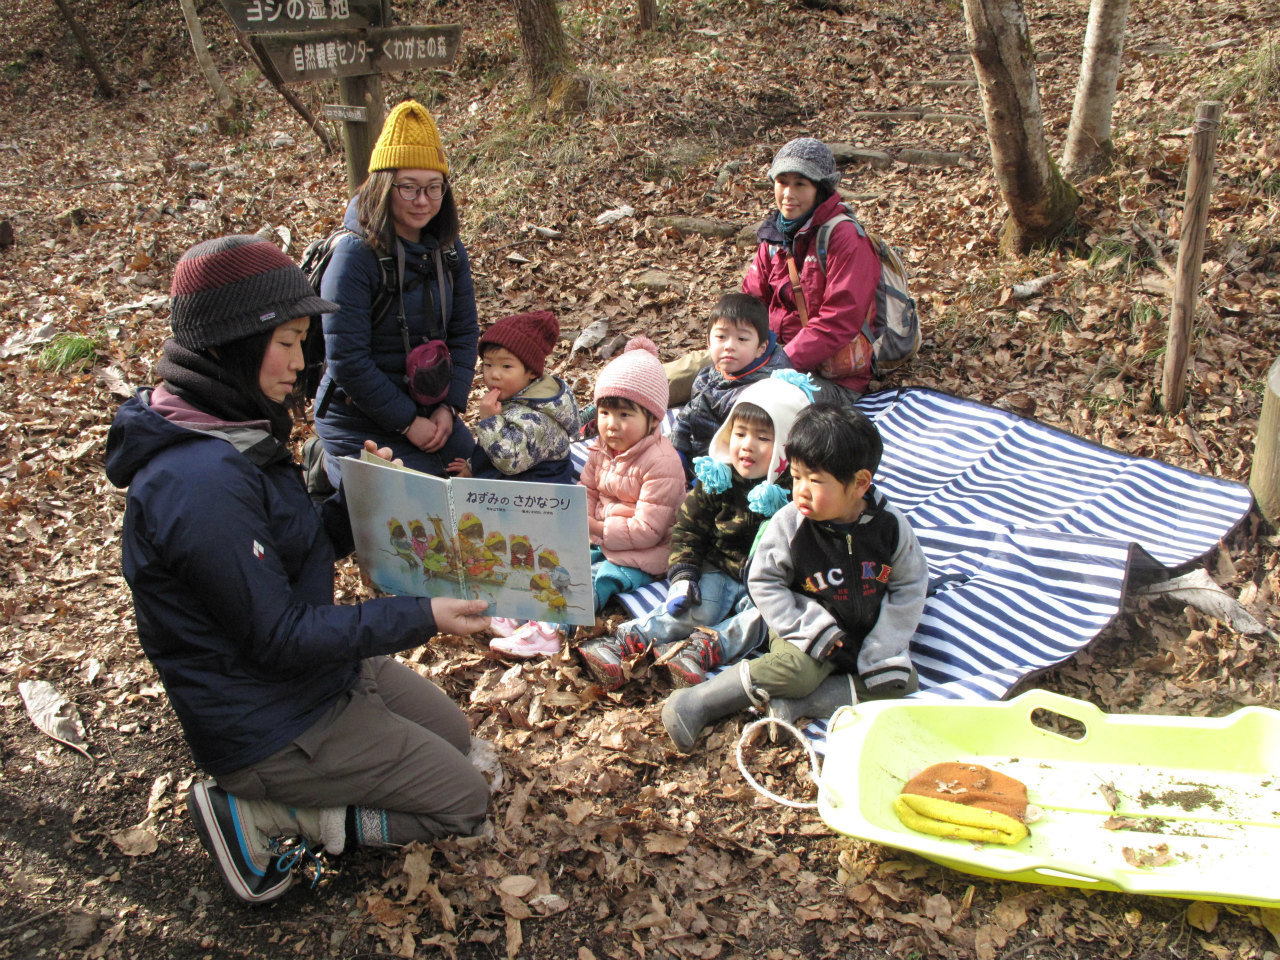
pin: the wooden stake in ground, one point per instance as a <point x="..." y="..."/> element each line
<point x="90" y="58"/>
<point x="1264" y="478"/>
<point x="1195" y="215"/>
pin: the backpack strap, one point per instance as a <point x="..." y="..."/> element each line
<point x="824" y="232"/>
<point x="797" y="291"/>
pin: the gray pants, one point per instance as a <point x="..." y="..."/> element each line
<point x="395" y="745"/>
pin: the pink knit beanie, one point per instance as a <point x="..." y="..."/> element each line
<point x="637" y="376"/>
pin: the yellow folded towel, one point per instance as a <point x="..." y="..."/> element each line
<point x="964" y="800"/>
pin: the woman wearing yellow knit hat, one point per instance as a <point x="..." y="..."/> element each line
<point x="401" y="349"/>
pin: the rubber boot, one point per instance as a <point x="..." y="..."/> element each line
<point x="689" y="709"/>
<point x="830" y="695"/>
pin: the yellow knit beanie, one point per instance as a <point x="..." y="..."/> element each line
<point x="409" y="141"/>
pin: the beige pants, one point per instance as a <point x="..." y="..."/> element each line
<point x="681" y="373"/>
<point x="394" y="743"/>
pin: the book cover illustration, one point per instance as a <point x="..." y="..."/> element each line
<point x="523" y="547"/>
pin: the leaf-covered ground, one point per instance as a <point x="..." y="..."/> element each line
<point x="607" y="843"/>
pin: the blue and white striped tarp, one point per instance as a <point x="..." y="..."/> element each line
<point x="1030" y="533"/>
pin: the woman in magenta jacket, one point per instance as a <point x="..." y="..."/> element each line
<point x="839" y="298"/>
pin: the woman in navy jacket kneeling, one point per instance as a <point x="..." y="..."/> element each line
<point x="314" y="735"/>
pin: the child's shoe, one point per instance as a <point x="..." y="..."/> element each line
<point x="604" y="657"/>
<point x="702" y="651"/>
<point x="504" y="626"/>
<point x="534" y="639"/>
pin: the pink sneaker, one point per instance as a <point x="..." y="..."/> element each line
<point x="534" y="639"/>
<point x="504" y="626"/>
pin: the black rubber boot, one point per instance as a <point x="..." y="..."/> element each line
<point x="688" y="710"/>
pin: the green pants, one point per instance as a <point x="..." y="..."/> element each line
<point x="787" y="671"/>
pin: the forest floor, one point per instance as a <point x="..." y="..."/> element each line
<point x="609" y="844"/>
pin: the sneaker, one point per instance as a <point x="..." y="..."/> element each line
<point x="249" y="862"/>
<point x="504" y="626"/>
<point x="604" y="657"/>
<point x="534" y="639"/>
<point x="702" y="651"/>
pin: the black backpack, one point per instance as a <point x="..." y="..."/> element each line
<point x="315" y="260"/>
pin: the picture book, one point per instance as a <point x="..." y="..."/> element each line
<point x="523" y="547"/>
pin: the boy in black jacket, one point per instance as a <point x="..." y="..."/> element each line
<point x="839" y="579"/>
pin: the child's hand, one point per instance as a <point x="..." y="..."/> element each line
<point x="595" y="528"/>
<point x="683" y="593"/>
<point x="490" y="404"/>
<point x="459" y="468"/>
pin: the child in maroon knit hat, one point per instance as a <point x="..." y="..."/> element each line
<point x="527" y="418"/>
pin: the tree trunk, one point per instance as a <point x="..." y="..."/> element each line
<point x="82" y="38"/>
<point x="227" y="106"/>
<point x="648" y="10"/>
<point x="1089" y="136"/>
<point x="1041" y="203"/>
<point x="546" y="51"/>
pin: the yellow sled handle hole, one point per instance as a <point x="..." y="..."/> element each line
<point x="1059" y="724"/>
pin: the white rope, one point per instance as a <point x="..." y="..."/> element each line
<point x="764" y="792"/>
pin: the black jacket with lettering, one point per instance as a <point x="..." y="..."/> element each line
<point x="862" y="584"/>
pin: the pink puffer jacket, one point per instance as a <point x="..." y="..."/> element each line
<point x="637" y="495"/>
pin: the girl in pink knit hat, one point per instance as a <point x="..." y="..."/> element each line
<point x="635" y="485"/>
<point x="633" y="475"/>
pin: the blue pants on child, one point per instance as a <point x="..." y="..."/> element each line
<point x="725" y="608"/>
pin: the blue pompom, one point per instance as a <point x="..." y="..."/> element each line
<point x="767" y="499"/>
<point x="798" y="379"/>
<point x="712" y="474"/>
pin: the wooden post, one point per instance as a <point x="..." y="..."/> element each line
<point x="1195" y="216"/>
<point x="359" y="136"/>
<point x="1264" y="477"/>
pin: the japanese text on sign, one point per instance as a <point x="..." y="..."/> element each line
<point x="291" y="16"/>
<point x="329" y="54"/>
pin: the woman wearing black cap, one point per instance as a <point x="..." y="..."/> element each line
<point x="314" y="734"/>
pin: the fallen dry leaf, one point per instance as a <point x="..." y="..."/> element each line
<point x="53" y="714"/>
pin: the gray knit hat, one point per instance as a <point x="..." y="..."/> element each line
<point x="808" y="157"/>
<point x="233" y="287"/>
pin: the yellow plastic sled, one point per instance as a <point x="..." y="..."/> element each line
<point x="1196" y="801"/>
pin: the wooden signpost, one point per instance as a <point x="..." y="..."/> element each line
<point x="348" y="41"/>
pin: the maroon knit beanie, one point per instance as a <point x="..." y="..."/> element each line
<point x="636" y="375"/>
<point x="233" y="287"/>
<point x="530" y="336"/>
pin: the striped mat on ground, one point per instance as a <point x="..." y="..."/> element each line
<point x="1030" y="532"/>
